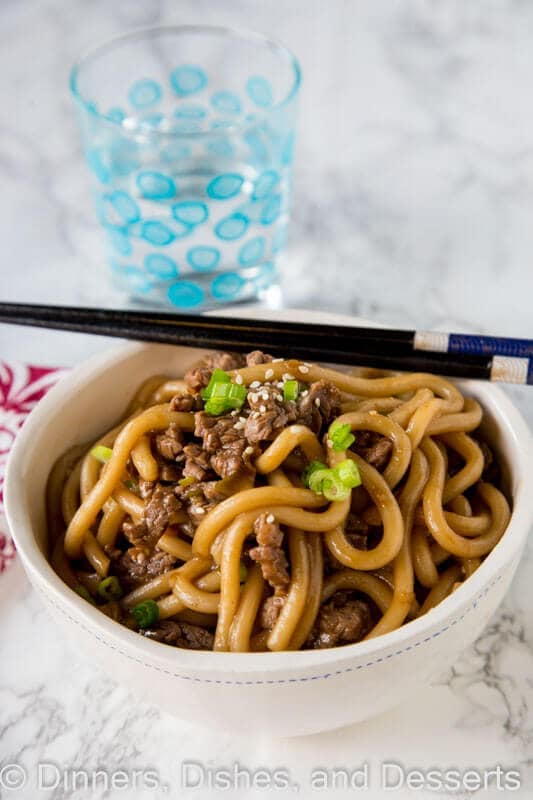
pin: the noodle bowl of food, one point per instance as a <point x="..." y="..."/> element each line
<point x="268" y="544"/>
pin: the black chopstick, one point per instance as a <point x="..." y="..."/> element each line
<point x="488" y="358"/>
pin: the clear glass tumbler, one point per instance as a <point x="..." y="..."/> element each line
<point x="189" y="135"/>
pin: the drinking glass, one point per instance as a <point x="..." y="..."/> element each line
<point x="188" y="133"/>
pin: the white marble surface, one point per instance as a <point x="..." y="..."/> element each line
<point x="413" y="205"/>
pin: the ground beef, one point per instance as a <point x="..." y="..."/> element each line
<point x="161" y="510"/>
<point x="138" y="565"/>
<point x="374" y="448"/>
<point x="169" y="443"/>
<point x="136" y="533"/>
<point x="269" y="414"/>
<point x="269" y="613"/>
<point x="169" y="472"/>
<point x="196" y="462"/>
<point x="145" y="488"/>
<point x="180" y="634"/>
<point x="269" y="552"/>
<point x="224" y="440"/>
<point x="184" y="402"/>
<point x="198" y="377"/>
<point x="257" y="357"/>
<point x="340" y="621"/>
<point x="319" y="406"/>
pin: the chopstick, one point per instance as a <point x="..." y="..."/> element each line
<point x="458" y="355"/>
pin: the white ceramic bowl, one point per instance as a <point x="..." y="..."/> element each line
<point x="277" y="694"/>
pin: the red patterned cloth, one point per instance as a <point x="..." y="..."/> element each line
<point x="21" y="388"/>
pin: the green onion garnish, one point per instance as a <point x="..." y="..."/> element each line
<point x="340" y="436"/>
<point x="184" y="482"/>
<point x="217" y="376"/>
<point x="290" y="390"/>
<point x="146" y="613"/>
<point x="84" y="592"/>
<point x="109" y="588"/>
<point x="102" y="453"/>
<point x="225" y="397"/>
<point x="334" y="483"/>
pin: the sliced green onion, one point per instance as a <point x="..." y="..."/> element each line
<point x="243" y="572"/>
<point x="146" y="613"/>
<point x="184" y="482"/>
<point x="225" y="397"/>
<point x="290" y="390"/>
<point x="102" y="453"/>
<point x="341" y="436"/>
<point x="110" y="588"/>
<point x="217" y="376"/>
<point x="334" y="483"/>
<point x="85" y="593"/>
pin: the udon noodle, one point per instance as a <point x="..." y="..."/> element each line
<point x="268" y="505"/>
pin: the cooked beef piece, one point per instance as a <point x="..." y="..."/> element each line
<point x="212" y="492"/>
<point x="198" y="377"/>
<point x="184" y="402"/>
<point x="138" y="565"/>
<point x="145" y="488"/>
<point x="180" y="634"/>
<point x="319" y="406"/>
<point x="169" y="443"/>
<point x="269" y="552"/>
<point x="169" y="472"/>
<point x="223" y="438"/>
<point x="257" y="357"/>
<point x="340" y="621"/>
<point x="136" y="533"/>
<point x="161" y="510"/>
<point x="373" y="447"/>
<point x="198" y="508"/>
<point x="269" y="414"/>
<point x="196" y="462"/>
<point x="269" y="613"/>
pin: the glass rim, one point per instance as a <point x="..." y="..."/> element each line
<point x="220" y="30"/>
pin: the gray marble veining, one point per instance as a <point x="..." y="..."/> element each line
<point x="413" y="205"/>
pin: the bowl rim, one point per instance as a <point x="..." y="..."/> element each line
<point x="117" y="636"/>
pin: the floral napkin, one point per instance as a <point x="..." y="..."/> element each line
<point x="21" y="388"/>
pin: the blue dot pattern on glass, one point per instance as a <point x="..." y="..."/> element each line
<point x="190" y="212"/>
<point x="203" y="258"/>
<point x="161" y="266"/>
<point x="95" y="160"/>
<point x="189" y="111"/>
<point x="188" y="79"/>
<point x="186" y="294"/>
<point x="119" y="209"/>
<point x="116" y="114"/>
<point x="144" y="93"/>
<point x="232" y="227"/>
<point x="259" y="91"/>
<point x="279" y="240"/>
<point x="155" y="185"/>
<point x="221" y="147"/>
<point x="227" y="286"/>
<point x="120" y="242"/>
<point x="227" y="102"/>
<point x="157" y="233"/>
<point x="252" y="251"/>
<point x="136" y="279"/>
<point x="225" y="186"/>
<point x="153" y="119"/>
<point x="271" y="209"/>
<point x="265" y="183"/>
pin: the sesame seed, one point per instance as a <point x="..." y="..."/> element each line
<point x="255" y="384"/>
<point x="239" y="426"/>
<point x="262" y="409"/>
<point x="288" y="377"/>
<point x="303" y="369"/>
<point x="279" y="398"/>
<point x="270" y="519"/>
<point x="198" y="509"/>
<point x="373" y="412"/>
<point x="277" y="360"/>
<point x="238" y="379"/>
<point x="253" y="397"/>
<point x="249" y="450"/>
<point x="294" y="429"/>
<point x="242" y="419"/>
<point x="269" y="374"/>
<point x="317" y="402"/>
<point x="141" y="558"/>
<point x="264" y="395"/>
<point x="305" y="392"/>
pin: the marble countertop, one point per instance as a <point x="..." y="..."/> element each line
<point x="413" y="206"/>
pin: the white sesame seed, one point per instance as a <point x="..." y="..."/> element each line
<point x="141" y="558"/>
<point x="234" y="413"/>
<point x="303" y="369"/>
<point x="249" y="450"/>
<point x="279" y="398"/>
<point x="198" y="509"/>
<point x="317" y="402"/>
<point x="373" y="412"/>
<point x="265" y="395"/>
<point x="242" y="419"/>
<point x="262" y="409"/>
<point x="270" y="518"/>
<point x="255" y="384"/>
<point x="269" y="374"/>
<point x="305" y="392"/>
<point x="288" y="377"/>
<point x="253" y="397"/>
<point x="294" y="429"/>
<point x="238" y="379"/>
<point x="277" y="360"/>
<point x="239" y="426"/>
